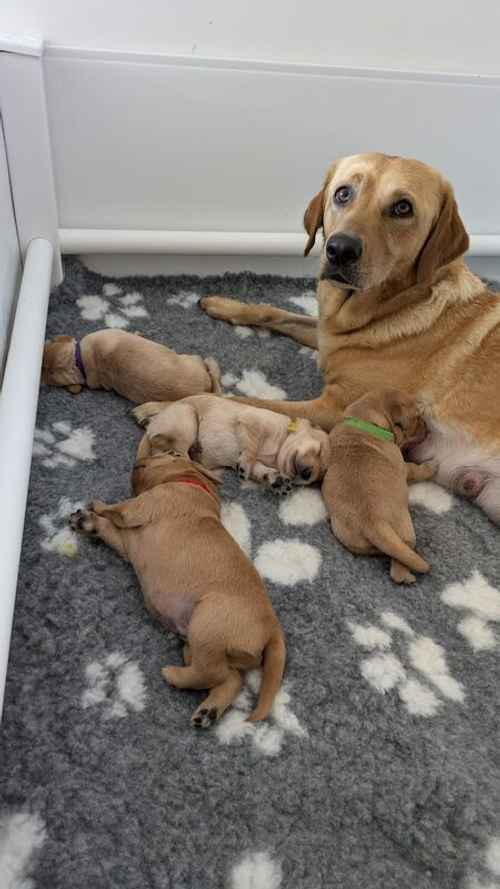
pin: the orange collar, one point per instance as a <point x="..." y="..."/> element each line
<point x="195" y="484"/>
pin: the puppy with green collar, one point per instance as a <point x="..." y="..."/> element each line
<point x="366" y="486"/>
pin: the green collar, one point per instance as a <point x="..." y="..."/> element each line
<point x="371" y="428"/>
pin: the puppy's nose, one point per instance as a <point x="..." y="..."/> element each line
<point x="342" y="249"/>
<point x="305" y="473"/>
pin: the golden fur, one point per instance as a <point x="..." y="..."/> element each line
<point x="224" y="433"/>
<point x="366" y="487"/>
<point x="196" y="580"/>
<point x="412" y="314"/>
<point x="131" y="365"/>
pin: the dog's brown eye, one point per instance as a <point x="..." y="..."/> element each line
<point x="343" y="194"/>
<point x="402" y="208"/>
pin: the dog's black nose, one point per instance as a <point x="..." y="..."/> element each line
<point x="343" y="249"/>
<point x="305" y="473"/>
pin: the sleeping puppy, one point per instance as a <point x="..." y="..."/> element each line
<point x="196" y="581"/>
<point x="366" y="486"/>
<point x="133" y="366"/>
<point x="262" y="445"/>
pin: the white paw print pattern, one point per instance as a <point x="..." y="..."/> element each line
<point x="285" y="562"/>
<point x="431" y="496"/>
<point x="22" y="835"/>
<point x="253" y="383"/>
<point x="62" y="445"/>
<point x="185" y="298"/>
<point x="266" y="737"/>
<point x="126" y="307"/>
<point x="384" y="671"/>
<point x="58" y="536"/>
<point x="257" y="870"/>
<point x="116" y="685"/>
<point x="490" y="878"/>
<point x="307" y="302"/>
<point x="482" y="602"/>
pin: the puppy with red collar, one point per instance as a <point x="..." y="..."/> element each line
<point x="133" y="366"/>
<point x="196" y="581"/>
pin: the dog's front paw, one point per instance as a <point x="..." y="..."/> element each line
<point x="204" y="717"/>
<point x="282" y="486"/>
<point x="83" y="521"/>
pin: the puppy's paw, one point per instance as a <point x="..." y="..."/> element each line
<point x="282" y="486"/>
<point x="203" y="717"/>
<point x="243" y="471"/>
<point x="83" y="521"/>
<point x="401" y="574"/>
<point x="141" y="415"/>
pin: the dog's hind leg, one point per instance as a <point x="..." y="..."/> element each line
<point x="301" y="328"/>
<point x="220" y="698"/>
<point x="400" y="573"/>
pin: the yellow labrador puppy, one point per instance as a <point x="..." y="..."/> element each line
<point x="196" y="580"/>
<point x="133" y="366"/>
<point x="366" y="486"/>
<point x="262" y="445"/>
<point x="397" y="303"/>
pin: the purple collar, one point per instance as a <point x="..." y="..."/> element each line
<point x="79" y="361"/>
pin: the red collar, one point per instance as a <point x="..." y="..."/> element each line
<point x="196" y="484"/>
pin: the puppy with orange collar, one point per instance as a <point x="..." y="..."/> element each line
<point x="366" y="486"/>
<point x="196" y="581"/>
<point x="131" y="365"/>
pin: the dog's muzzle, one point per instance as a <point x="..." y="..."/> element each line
<point x="343" y="252"/>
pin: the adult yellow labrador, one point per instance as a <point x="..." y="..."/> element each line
<point x="398" y="307"/>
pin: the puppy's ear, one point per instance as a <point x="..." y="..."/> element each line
<point x="446" y="241"/>
<point x="160" y="442"/>
<point x="62" y="339"/>
<point x="75" y="390"/>
<point x="313" y="219"/>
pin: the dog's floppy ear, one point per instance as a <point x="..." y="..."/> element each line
<point x="446" y="241"/>
<point x="161" y="442"/>
<point x="313" y="219"/>
<point x="62" y="339"/>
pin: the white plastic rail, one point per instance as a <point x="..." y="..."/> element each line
<point x="18" y="404"/>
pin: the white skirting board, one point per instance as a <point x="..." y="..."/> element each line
<point x="18" y="403"/>
<point x="155" y="143"/>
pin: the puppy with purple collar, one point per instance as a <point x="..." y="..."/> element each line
<point x="131" y="365"/>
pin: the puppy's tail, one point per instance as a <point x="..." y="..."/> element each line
<point x="272" y="674"/>
<point x="385" y="539"/>
<point x="213" y="369"/>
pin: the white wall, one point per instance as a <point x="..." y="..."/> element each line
<point x="436" y="35"/>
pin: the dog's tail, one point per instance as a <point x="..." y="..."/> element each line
<point x="213" y="369"/>
<point x="386" y="539"/>
<point x="272" y="674"/>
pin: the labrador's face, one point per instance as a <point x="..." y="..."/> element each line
<point x="384" y="218"/>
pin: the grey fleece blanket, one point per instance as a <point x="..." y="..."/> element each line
<point x="379" y="766"/>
